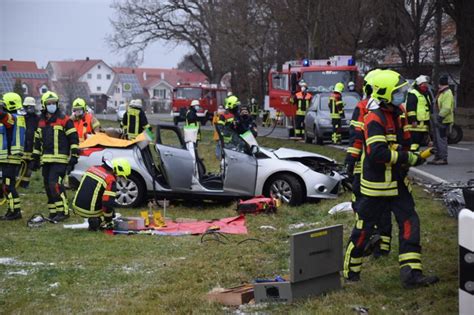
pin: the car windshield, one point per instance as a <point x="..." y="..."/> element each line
<point x="350" y="102"/>
<point x="324" y="81"/>
<point x="122" y="107"/>
<point x="187" y="93"/>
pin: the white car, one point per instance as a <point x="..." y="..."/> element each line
<point x="121" y="110"/>
<point x="170" y="170"/>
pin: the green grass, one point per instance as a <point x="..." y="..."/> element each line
<point x="83" y="272"/>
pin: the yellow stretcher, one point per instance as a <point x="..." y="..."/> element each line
<point x="107" y="141"/>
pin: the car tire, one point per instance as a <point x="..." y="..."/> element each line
<point x="130" y="192"/>
<point x="455" y="135"/>
<point x="308" y="139"/>
<point x="286" y="187"/>
<point x="318" y="140"/>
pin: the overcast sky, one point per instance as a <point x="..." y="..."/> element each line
<point x="43" y="30"/>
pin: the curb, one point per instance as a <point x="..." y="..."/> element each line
<point x="425" y="176"/>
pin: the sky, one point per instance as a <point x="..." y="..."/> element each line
<point x="44" y="30"/>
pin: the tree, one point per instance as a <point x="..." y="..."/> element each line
<point x="18" y="88"/>
<point x="188" y="63"/>
<point x="132" y="60"/>
<point x="462" y="12"/>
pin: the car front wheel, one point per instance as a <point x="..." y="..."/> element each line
<point x="129" y="192"/>
<point x="286" y="187"/>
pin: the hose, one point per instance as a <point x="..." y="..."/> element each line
<point x="274" y="126"/>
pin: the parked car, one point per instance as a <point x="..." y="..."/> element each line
<point x="318" y="125"/>
<point x="169" y="170"/>
<point x="122" y="109"/>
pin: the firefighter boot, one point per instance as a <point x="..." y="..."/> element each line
<point x="372" y="245"/>
<point x="60" y="216"/>
<point x="413" y="278"/>
<point x="9" y="216"/>
<point x="352" y="277"/>
<point x="94" y="223"/>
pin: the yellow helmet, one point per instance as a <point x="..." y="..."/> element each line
<point x="231" y="102"/>
<point x="368" y="81"/>
<point x="121" y="167"/>
<point x="339" y="87"/>
<point x="49" y="96"/>
<point x="12" y="101"/>
<point x="79" y="103"/>
<point x="390" y="87"/>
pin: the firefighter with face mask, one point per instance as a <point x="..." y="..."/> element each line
<point x="12" y="132"/>
<point x="336" y="108"/>
<point x="302" y="101"/>
<point x="31" y="121"/>
<point x="95" y="196"/>
<point x="419" y="105"/>
<point x="56" y="151"/>
<point x="84" y="122"/>
<point x="134" y="121"/>
<point x="385" y="161"/>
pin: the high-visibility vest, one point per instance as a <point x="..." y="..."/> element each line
<point x="303" y="100"/>
<point x="445" y="102"/>
<point x="84" y="126"/>
<point x="336" y="105"/>
<point x="11" y="150"/>
<point x="422" y="107"/>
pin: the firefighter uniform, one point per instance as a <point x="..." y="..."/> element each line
<point x="31" y="121"/>
<point x="418" y="110"/>
<point x="56" y="147"/>
<point x="134" y="121"/>
<point x="12" y="140"/>
<point x="226" y="125"/>
<point x="192" y="120"/>
<point x="302" y="100"/>
<point x="254" y="110"/>
<point x="336" y="108"/>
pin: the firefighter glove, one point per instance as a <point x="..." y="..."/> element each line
<point x="34" y="164"/>
<point x="414" y="159"/>
<point x="72" y="163"/>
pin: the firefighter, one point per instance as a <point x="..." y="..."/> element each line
<point x="84" y="122"/>
<point x="192" y="119"/>
<point x="95" y="196"/>
<point x="12" y="131"/>
<point x="215" y="135"/>
<point x="56" y="150"/>
<point x="351" y="86"/>
<point x="226" y="124"/>
<point x="245" y="122"/>
<point x="336" y="108"/>
<point x="385" y="161"/>
<point x="302" y="100"/>
<point x="134" y="120"/>
<point x="31" y="121"/>
<point x="254" y="109"/>
<point x="419" y="105"/>
<point x="383" y="236"/>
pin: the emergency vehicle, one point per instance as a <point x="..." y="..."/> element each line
<point x="210" y="96"/>
<point x="321" y="75"/>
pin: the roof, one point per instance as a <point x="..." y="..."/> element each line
<point x="150" y="77"/>
<point x="20" y="66"/>
<point x="122" y="78"/>
<point x="77" y="67"/>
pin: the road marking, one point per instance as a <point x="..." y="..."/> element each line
<point x="456" y="148"/>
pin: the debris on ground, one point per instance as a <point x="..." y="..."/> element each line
<point x="342" y="207"/>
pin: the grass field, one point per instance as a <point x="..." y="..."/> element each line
<point x="53" y="270"/>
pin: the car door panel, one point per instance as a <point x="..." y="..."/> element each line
<point x="240" y="173"/>
<point x="178" y="165"/>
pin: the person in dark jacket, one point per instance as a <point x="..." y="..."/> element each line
<point x="31" y="121"/>
<point x="245" y="122"/>
<point x="134" y="121"/>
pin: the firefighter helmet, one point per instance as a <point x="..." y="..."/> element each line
<point x="368" y="81"/>
<point x="390" y="87"/>
<point x="49" y="96"/>
<point x="422" y="79"/>
<point x="303" y="83"/>
<point x="29" y="101"/>
<point x="231" y="102"/>
<point x="195" y="103"/>
<point x="229" y="93"/>
<point x="12" y="101"/>
<point x="339" y="87"/>
<point x="137" y="103"/>
<point x="79" y="103"/>
<point x="121" y="167"/>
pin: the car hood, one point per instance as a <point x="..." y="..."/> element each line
<point x="284" y="153"/>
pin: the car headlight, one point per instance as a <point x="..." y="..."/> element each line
<point x="324" y="122"/>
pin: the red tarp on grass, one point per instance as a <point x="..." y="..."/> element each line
<point x="232" y="225"/>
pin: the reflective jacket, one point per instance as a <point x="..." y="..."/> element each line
<point x="302" y="102"/>
<point x="445" y="103"/>
<point x="31" y="120"/>
<point x="55" y="139"/>
<point x="134" y="122"/>
<point x="12" y="137"/>
<point x="96" y="193"/>
<point x="386" y="146"/>
<point x="356" y="135"/>
<point x="86" y="125"/>
<point x="254" y="109"/>
<point x="225" y="124"/>
<point x="418" y="109"/>
<point x="336" y="105"/>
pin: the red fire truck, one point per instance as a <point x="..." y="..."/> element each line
<point x="210" y="96"/>
<point x="321" y="75"/>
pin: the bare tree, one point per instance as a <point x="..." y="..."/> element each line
<point x="132" y="60"/>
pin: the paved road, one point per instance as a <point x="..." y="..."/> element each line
<point x="460" y="156"/>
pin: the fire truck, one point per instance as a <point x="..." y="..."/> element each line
<point x="321" y="75"/>
<point x="210" y="96"/>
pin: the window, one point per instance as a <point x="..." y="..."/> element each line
<point x="159" y="93"/>
<point x="115" y="103"/>
<point x="99" y="76"/>
<point x="117" y="90"/>
<point x="43" y="89"/>
<point x="98" y="67"/>
<point x="25" y="88"/>
<point x="89" y="75"/>
<point x="99" y="89"/>
<point x="280" y="81"/>
<point x="108" y="76"/>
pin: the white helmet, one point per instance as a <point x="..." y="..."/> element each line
<point x="350" y="84"/>
<point x="195" y="103"/>
<point x="137" y="103"/>
<point x="422" y="79"/>
<point x="229" y="94"/>
<point x="302" y="83"/>
<point x="29" y="101"/>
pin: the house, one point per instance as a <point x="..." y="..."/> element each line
<point x="90" y="79"/>
<point x="124" y="88"/>
<point x="34" y="81"/>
